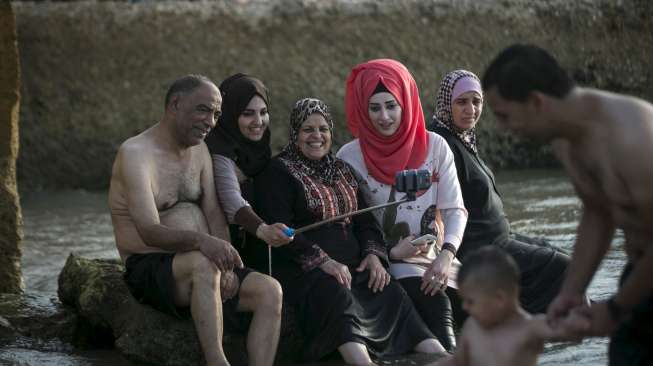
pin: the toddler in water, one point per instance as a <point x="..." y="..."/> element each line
<point x="499" y="331"/>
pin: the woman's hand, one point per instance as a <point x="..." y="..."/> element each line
<point x="339" y="271"/>
<point x="437" y="276"/>
<point x="274" y="234"/>
<point x="379" y="277"/>
<point x="404" y="249"/>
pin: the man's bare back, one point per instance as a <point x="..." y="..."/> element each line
<point x="604" y="140"/>
<point x="176" y="189"/>
<point x="609" y="167"/>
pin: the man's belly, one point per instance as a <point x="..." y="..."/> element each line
<point x="182" y="216"/>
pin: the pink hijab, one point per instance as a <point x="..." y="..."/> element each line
<point x="407" y="147"/>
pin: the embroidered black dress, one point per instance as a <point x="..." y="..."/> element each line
<point x="330" y="314"/>
<point x="542" y="267"/>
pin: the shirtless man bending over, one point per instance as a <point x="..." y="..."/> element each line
<point x="172" y="234"/>
<point x="604" y="141"/>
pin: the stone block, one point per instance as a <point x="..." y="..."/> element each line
<point x="10" y="215"/>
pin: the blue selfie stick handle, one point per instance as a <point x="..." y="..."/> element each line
<point x="289" y="232"/>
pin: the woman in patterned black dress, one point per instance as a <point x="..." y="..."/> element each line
<point x="335" y="274"/>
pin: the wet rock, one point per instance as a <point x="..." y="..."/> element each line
<point x="108" y="312"/>
<point x="96" y="290"/>
<point x="10" y="216"/>
<point x="36" y="322"/>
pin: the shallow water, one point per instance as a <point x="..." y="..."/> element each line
<point x="538" y="202"/>
<point x="542" y="203"/>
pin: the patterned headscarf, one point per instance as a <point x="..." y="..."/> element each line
<point x="443" y="116"/>
<point x="226" y="139"/>
<point x="325" y="169"/>
<point x="407" y="147"/>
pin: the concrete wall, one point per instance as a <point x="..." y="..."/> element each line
<point x="95" y="73"/>
<point x="10" y="218"/>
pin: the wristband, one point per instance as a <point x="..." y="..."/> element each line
<point x="450" y="247"/>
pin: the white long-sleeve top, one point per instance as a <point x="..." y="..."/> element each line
<point x="444" y="194"/>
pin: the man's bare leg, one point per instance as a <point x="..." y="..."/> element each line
<point x="197" y="282"/>
<point x="355" y="354"/>
<point x="261" y="295"/>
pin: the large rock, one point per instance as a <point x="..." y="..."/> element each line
<point x="10" y="217"/>
<point x="95" y="73"/>
<point x="96" y="289"/>
<point x="108" y="312"/>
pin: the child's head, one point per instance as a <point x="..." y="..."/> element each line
<point x="489" y="285"/>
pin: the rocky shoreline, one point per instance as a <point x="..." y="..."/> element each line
<point x="96" y="310"/>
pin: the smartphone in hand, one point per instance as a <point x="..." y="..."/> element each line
<point x="424" y="239"/>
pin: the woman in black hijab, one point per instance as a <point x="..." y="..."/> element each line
<point x="240" y="149"/>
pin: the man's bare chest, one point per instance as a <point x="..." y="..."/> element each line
<point x="174" y="183"/>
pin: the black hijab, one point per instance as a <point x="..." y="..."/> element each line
<point x="226" y="139"/>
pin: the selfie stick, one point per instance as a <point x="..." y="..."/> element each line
<point x="410" y="196"/>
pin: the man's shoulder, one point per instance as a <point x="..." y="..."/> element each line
<point x="622" y="109"/>
<point x="136" y="145"/>
<point x="607" y="96"/>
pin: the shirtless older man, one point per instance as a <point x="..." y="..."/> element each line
<point x="172" y="234"/>
<point x="604" y="141"/>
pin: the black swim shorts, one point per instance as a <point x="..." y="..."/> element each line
<point x="632" y="343"/>
<point x="150" y="280"/>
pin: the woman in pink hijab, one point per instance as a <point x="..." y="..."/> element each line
<point x="385" y="116"/>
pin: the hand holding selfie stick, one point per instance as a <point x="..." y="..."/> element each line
<point x="409" y="181"/>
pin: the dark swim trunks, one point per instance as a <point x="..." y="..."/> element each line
<point x="632" y="343"/>
<point x="150" y="280"/>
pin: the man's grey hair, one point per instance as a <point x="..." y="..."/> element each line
<point x="185" y="85"/>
